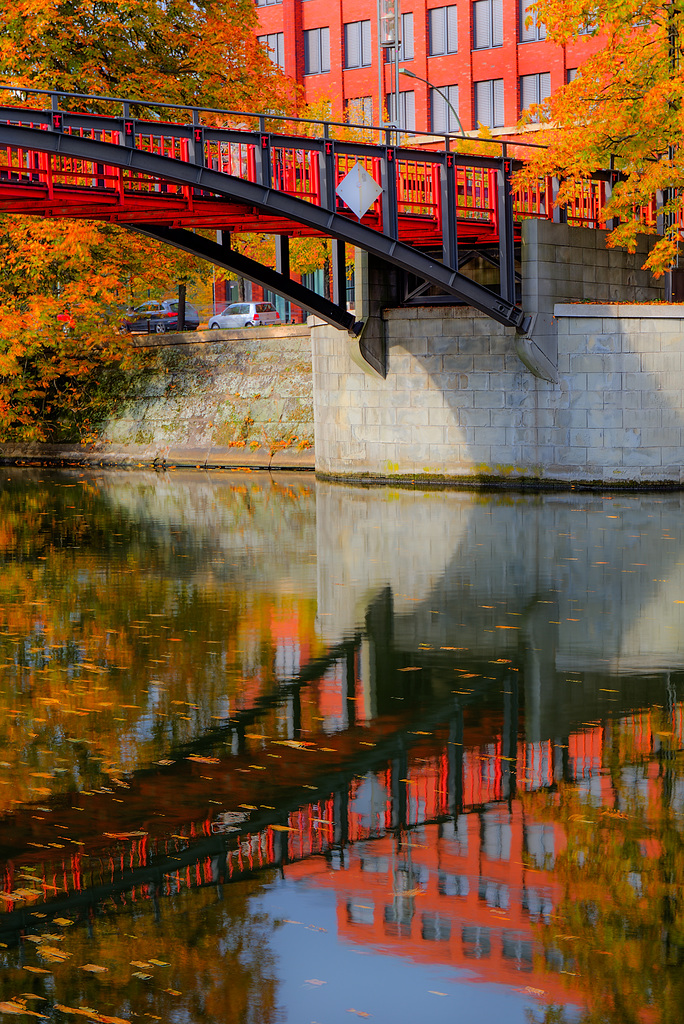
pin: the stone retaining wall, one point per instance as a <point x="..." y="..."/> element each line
<point x="214" y="398"/>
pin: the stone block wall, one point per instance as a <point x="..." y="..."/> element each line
<point x="457" y="404"/>
<point x="562" y="263"/>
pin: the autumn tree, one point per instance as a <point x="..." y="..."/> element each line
<point x="622" y="110"/>
<point x="197" y="53"/>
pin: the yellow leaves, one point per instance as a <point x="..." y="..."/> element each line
<point x="202" y="760"/>
<point x="63" y="922"/>
<point x="93" y="968"/>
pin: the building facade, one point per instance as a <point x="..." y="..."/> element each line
<point x="489" y="58"/>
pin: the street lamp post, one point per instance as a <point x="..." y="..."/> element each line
<point x="411" y="74"/>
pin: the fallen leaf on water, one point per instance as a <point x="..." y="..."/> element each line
<point x="53" y="954"/>
<point x="37" y="970"/>
<point x="11" y="1007"/>
<point x="282" y="828"/>
<point x="202" y="760"/>
<point x="91" y="1014"/>
<point x="139" y="963"/>
<point x="295" y="744"/>
<point x="173" y="991"/>
<point x="80" y="1011"/>
<point x="63" y="922"/>
<point x="141" y="975"/>
<point x="124" y="835"/>
<point x="314" y="981"/>
<point x="93" y="968"/>
<point x="432" y="992"/>
<point x="160" y="963"/>
<point x="164" y="761"/>
<point x="359" y="1013"/>
<point x="409" y="668"/>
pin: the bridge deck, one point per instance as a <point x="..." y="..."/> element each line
<point x="40" y="184"/>
<point x="434" y="209"/>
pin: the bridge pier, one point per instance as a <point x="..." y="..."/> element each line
<point x="458" y="403"/>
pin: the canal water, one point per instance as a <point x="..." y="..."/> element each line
<point x="278" y="750"/>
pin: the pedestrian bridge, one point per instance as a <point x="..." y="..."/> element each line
<point x="175" y="170"/>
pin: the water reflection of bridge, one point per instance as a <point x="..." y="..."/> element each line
<point x="428" y="850"/>
<point x="412" y="751"/>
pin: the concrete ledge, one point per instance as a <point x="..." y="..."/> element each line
<point x="37" y="453"/>
<point x="649" y="311"/>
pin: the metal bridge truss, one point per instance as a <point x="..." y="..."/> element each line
<point x="170" y="180"/>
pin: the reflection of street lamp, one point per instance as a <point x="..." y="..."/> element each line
<point x="411" y="74"/>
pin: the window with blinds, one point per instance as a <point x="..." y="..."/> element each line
<point x="357" y="44"/>
<point x="489" y="103"/>
<point x="267" y="3"/>
<point x="534" y="89"/>
<point x="405" y="43"/>
<point x="570" y="75"/>
<point x="407" y="110"/>
<point x="531" y="30"/>
<point x="316" y="51"/>
<point x="360" y="110"/>
<point x="274" y="45"/>
<point x="442" y="117"/>
<point x="443" y="30"/>
<point x="487" y="24"/>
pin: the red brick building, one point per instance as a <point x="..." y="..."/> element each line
<point x="480" y="53"/>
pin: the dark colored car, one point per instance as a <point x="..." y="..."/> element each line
<point x="156" y="316"/>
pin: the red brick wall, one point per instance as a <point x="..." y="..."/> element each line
<point x="464" y="68"/>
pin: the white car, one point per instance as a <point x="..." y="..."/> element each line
<point x="245" y="314"/>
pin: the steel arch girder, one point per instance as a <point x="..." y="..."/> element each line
<point x="224" y="256"/>
<point x="251" y="194"/>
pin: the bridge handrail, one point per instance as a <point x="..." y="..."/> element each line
<point x="387" y="130"/>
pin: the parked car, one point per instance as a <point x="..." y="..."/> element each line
<point x="158" y="316"/>
<point x="245" y="314"/>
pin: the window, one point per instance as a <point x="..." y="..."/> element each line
<point x="487" y="24"/>
<point x="489" y="103"/>
<point x="360" y="110"/>
<point x="267" y="3"/>
<point x="405" y="43"/>
<point x="357" y="44"/>
<point x="316" y="51"/>
<point x="534" y="89"/>
<point x="443" y="30"/>
<point x="535" y="30"/>
<point x="407" y="110"/>
<point x="442" y="118"/>
<point x="274" y="45"/>
<point x="570" y="75"/>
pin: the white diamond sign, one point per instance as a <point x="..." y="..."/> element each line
<point x="358" y="190"/>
